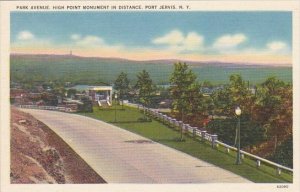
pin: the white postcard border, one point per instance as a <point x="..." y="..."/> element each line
<point x="7" y="7"/>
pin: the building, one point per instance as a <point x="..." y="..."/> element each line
<point x="101" y="94"/>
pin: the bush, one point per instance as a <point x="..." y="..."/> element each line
<point x="87" y="105"/>
<point x="284" y="153"/>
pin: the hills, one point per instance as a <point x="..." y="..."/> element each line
<point x="105" y="70"/>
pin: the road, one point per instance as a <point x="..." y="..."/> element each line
<point x="120" y="156"/>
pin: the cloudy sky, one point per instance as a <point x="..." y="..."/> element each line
<point x="248" y="37"/>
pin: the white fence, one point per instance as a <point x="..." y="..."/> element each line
<point x="53" y="108"/>
<point x="257" y="158"/>
<point x="213" y="139"/>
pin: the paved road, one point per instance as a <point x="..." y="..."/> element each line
<point x="120" y="156"/>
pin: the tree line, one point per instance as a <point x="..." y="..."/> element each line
<point x="267" y="110"/>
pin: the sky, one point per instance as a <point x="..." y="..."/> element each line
<point x="244" y="37"/>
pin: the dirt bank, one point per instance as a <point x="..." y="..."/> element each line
<point x="38" y="155"/>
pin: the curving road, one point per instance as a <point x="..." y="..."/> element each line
<point x="120" y="156"/>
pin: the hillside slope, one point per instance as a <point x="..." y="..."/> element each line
<point x="91" y="70"/>
<point x="38" y="155"/>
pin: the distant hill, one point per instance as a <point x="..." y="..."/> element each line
<point x="105" y="70"/>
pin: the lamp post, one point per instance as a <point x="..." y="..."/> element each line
<point x="116" y="97"/>
<point x="238" y="112"/>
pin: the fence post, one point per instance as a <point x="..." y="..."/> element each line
<point x="147" y="111"/>
<point x="185" y="128"/>
<point x="214" y="138"/>
<point x="194" y="132"/>
<point x="203" y="135"/>
<point x="227" y="149"/>
<point x="278" y="171"/>
<point x="242" y="155"/>
<point x="180" y="124"/>
<point x="257" y="163"/>
<point x="170" y="122"/>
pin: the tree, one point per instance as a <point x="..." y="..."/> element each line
<point x="251" y="132"/>
<point x="184" y="90"/>
<point x="274" y="109"/>
<point x="284" y="153"/>
<point x="145" y="89"/>
<point x="207" y="84"/>
<point x="237" y="93"/>
<point x="59" y="91"/>
<point x="71" y="92"/>
<point x="122" y="86"/>
<point x="268" y="98"/>
<point x="49" y="99"/>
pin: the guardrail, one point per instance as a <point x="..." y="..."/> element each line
<point x="257" y="158"/>
<point x="201" y="134"/>
<point x="53" y="108"/>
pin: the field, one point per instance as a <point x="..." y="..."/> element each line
<point x="156" y="131"/>
<point x="80" y="70"/>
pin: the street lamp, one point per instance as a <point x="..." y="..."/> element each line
<point x="116" y="97"/>
<point x="238" y="112"/>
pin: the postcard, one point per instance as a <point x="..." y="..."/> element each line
<point x="149" y="95"/>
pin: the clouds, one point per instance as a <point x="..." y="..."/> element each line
<point x="25" y="35"/>
<point x="192" y="41"/>
<point x="172" y="38"/>
<point x="26" y="38"/>
<point x="88" y="40"/>
<point x="229" y="42"/>
<point x="278" y="47"/>
<point x="226" y="44"/>
<point x="230" y="47"/>
<point x="178" y="41"/>
<point x="75" y="37"/>
<point x="175" y="44"/>
<point x="94" y="45"/>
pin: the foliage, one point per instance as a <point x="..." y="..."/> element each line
<point x="274" y="109"/>
<point x="184" y="91"/>
<point x="284" y="153"/>
<point x="101" y="71"/>
<point x="237" y="93"/>
<point x="145" y="88"/>
<point x="71" y="92"/>
<point x="207" y="84"/>
<point x="87" y="105"/>
<point x="269" y="107"/>
<point x="49" y="99"/>
<point x="251" y="132"/>
<point x="122" y="86"/>
<point x="59" y="91"/>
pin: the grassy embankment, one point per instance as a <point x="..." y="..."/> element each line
<point x="156" y="131"/>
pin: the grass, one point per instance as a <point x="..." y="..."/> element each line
<point x="127" y="118"/>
